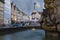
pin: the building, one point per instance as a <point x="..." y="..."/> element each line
<point x="25" y="18"/>
<point x="50" y="10"/>
<point x="7" y="12"/>
<point x="17" y="15"/>
<point x="21" y="16"/>
<point x="14" y="13"/>
<point x="53" y="7"/>
<point x="36" y="16"/>
<point x="57" y="9"/>
<point x="1" y="12"/>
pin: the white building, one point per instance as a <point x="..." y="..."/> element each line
<point x="26" y="18"/>
<point x="35" y="16"/>
<point x="7" y="12"/>
<point x="20" y="16"/>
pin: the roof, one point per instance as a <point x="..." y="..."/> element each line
<point x="24" y="14"/>
<point x="34" y="12"/>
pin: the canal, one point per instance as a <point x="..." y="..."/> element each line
<point x="27" y="35"/>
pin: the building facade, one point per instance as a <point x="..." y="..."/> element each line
<point x="7" y="12"/>
<point x="1" y="12"/>
<point x="57" y="9"/>
<point x="36" y="16"/>
<point x="16" y="14"/>
<point x="53" y="7"/>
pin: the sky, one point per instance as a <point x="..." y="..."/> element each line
<point x="27" y="6"/>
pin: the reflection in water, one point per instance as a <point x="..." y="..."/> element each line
<point x="25" y="35"/>
<point x="30" y="35"/>
<point x="7" y="37"/>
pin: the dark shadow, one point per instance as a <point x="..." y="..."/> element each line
<point x="5" y="31"/>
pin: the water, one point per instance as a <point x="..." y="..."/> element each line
<point x="26" y="35"/>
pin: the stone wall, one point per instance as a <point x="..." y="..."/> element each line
<point x="57" y="10"/>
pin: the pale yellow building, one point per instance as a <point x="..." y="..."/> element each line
<point x="1" y="12"/>
<point x="13" y="12"/>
